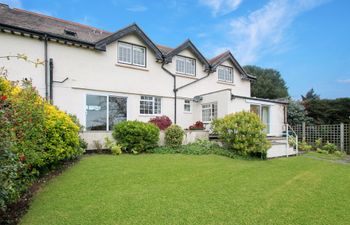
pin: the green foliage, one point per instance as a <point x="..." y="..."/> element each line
<point x="108" y="143"/>
<point x="321" y="151"/>
<point x="97" y="146"/>
<point x="34" y="137"/>
<point x="116" y="149"/>
<point x="292" y="141"/>
<point x="328" y="111"/>
<point x="136" y="136"/>
<point x="339" y="154"/>
<point x="269" y="83"/>
<point x="243" y="134"/>
<point x="318" y="143"/>
<point x="297" y="113"/>
<point x="310" y="95"/>
<point x="174" y="136"/>
<point x="330" y="147"/>
<point x="304" y="146"/>
<point x="200" y="147"/>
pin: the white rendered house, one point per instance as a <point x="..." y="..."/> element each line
<point x="104" y="77"/>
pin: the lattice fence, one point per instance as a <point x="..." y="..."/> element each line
<point x="338" y="134"/>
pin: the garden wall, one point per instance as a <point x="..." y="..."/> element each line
<point x="190" y="137"/>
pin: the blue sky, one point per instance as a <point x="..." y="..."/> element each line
<point x="308" y="41"/>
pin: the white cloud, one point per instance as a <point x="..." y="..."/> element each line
<point x="12" y="3"/>
<point x="264" y="29"/>
<point x="137" y="8"/>
<point x="221" y="7"/>
<point x="344" y="81"/>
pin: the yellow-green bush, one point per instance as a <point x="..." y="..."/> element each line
<point x="242" y="133"/>
<point x="34" y="136"/>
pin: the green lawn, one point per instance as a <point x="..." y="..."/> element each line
<point x="182" y="189"/>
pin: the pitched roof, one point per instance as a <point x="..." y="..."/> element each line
<point x="187" y="45"/>
<point x="135" y="29"/>
<point x="50" y="25"/>
<point x="164" y="49"/>
<point x="219" y="59"/>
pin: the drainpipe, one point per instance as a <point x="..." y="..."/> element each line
<point x="51" y="81"/>
<point x="175" y="91"/>
<point x="46" y="69"/>
<point x="209" y="71"/>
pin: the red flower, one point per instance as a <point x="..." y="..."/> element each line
<point x="3" y="98"/>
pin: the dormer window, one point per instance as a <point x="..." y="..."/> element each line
<point x="185" y="65"/>
<point x="225" y="74"/>
<point x="70" y="33"/>
<point x="131" y="54"/>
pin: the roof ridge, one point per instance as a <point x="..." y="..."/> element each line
<point x="61" y="20"/>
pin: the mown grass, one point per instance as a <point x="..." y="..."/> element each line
<point x="186" y="189"/>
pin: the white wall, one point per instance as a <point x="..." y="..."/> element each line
<point x="96" y="72"/>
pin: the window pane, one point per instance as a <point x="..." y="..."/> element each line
<point x="157" y="106"/>
<point x="117" y="110"/>
<point x="124" y="53"/>
<point x="180" y="65"/>
<point x="187" y="106"/>
<point x="214" y="111"/>
<point x="255" y="109"/>
<point x="139" y="55"/>
<point x="189" y="66"/>
<point x="96" y="112"/>
<point x="221" y="74"/>
<point x="146" y="105"/>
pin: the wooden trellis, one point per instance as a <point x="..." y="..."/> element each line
<point x="338" y="134"/>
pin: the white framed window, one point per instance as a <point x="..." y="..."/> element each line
<point x="209" y="112"/>
<point x="150" y="105"/>
<point x="225" y="74"/>
<point x="185" y="65"/>
<point x="263" y="111"/>
<point x="104" y="111"/>
<point x="187" y="105"/>
<point x="131" y="54"/>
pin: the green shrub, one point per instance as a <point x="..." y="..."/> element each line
<point x="330" y="147"/>
<point x="243" y="134"/>
<point x="292" y="141"/>
<point x="339" y="154"/>
<point x="200" y="147"/>
<point x="174" y="136"/>
<point x="304" y="146"/>
<point x="34" y="137"/>
<point x="136" y="136"/>
<point x="321" y="151"/>
<point x="116" y="149"/>
<point x="97" y="145"/>
<point x="318" y="143"/>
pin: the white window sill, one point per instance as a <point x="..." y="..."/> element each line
<point x="149" y="115"/>
<point x="225" y="82"/>
<point x="132" y="67"/>
<point x="187" y="112"/>
<point x="186" y="76"/>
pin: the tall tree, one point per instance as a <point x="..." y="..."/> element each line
<point x="269" y="83"/>
<point x="310" y="95"/>
<point x="297" y="113"/>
